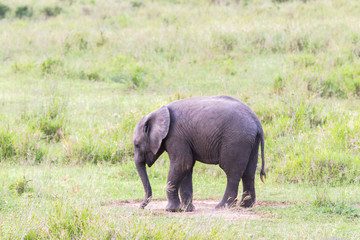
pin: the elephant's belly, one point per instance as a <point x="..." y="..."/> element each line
<point x="207" y="158"/>
<point x="209" y="161"/>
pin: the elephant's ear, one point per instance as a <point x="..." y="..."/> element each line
<point x="158" y="127"/>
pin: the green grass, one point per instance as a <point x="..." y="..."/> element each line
<point x="76" y="76"/>
<point x="71" y="202"/>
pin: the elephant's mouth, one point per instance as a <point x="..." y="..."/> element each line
<point x="149" y="159"/>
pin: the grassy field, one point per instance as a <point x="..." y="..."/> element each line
<point x="77" y="75"/>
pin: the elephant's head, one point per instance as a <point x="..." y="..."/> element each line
<point x="148" y="136"/>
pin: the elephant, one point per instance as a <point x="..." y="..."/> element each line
<point x="213" y="130"/>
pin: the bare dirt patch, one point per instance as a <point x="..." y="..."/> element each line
<point x="203" y="208"/>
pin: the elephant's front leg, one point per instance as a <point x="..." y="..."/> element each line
<point x="186" y="193"/>
<point x="172" y="188"/>
<point x="181" y="166"/>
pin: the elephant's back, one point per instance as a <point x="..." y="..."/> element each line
<point x="204" y="109"/>
<point x="214" y="122"/>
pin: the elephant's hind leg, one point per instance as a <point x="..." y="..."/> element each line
<point x="232" y="187"/>
<point x="248" y="179"/>
<point x="233" y="161"/>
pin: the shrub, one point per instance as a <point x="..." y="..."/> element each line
<point x="23" y="11"/>
<point x="136" y="4"/>
<point x="51" y="11"/>
<point x="3" y="10"/>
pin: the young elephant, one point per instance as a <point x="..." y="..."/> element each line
<point x="214" y="130"/>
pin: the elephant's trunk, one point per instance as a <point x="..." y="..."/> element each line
<point x="141" y="168"/>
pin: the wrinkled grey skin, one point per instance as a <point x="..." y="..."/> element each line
<point x="214" y="130"/>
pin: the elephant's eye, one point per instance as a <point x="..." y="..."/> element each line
<point x="137" y="145"/>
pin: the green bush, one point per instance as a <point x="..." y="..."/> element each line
<point x="3" y="10"/>
<point x="51" y="11"/>
<point x="23" y="11"/>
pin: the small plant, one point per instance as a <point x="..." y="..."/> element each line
<point x="83" y="44"/>
<point x="50" y="65"/>
<point x="3" y="10"/>
<point x="20" y="186"/>
<point x="23" y="11"/>
<point x="278" y="84"/>
<point x="7" y="148"/>
<point x="102" y="41"/>
<point x="51" y="11"/>
<point x="50" y="120"/>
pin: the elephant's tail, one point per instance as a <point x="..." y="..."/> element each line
<point x="262" y="171"/>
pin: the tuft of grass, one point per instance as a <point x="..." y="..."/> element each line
<point x="20" y="186"/>
<point x="7" y="149"/>
<point x="279" y="84"/>
<point x="50" y="119"/>
<point x="51" y="66"/>
<point x="93" y="76"/>
<point x="66" y="221"/>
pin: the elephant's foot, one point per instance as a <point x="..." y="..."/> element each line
<point x="187" y="207"/>
<point x="226" y="204"/>
<point x="173" y="207"/>
<point x="220" y="205"/>
<point x="247" y="201"/>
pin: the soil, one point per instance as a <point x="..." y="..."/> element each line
<point x="203" y="208"/>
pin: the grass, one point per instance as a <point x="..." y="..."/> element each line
<point x="76" y="76"/>
<point x="71" y="202"/>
